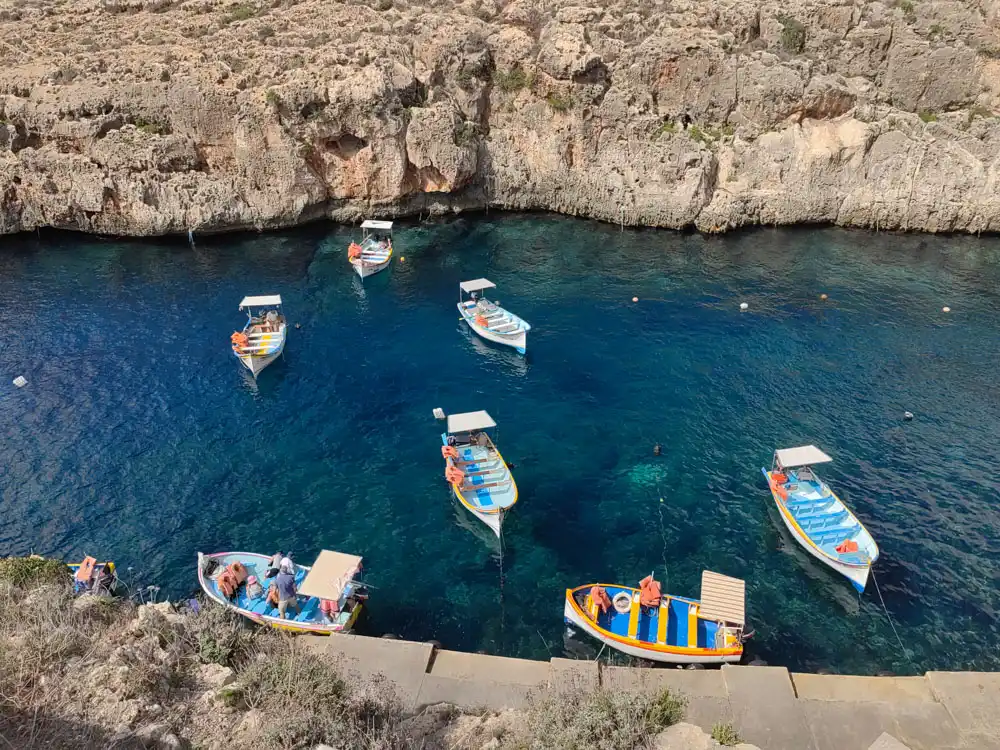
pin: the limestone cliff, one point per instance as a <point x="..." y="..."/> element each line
<point x="145" y="117"/>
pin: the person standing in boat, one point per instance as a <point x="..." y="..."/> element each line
<point x="285" y="583"/>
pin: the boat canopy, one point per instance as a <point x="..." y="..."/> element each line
<point x="805" y="455"/>
<point x="476" y="285"/>
<point x="379" y="225"/>
<point x="263" y="301"/>
<point x="723" y="598"/>
<point x="331" y="572"/>
<point x="473" y="420"/>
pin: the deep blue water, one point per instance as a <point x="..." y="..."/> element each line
<point x="140" y="438"/>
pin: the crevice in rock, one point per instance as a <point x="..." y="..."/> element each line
<point x="345" y="146"/>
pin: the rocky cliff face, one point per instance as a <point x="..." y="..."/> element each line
<point x="145" y="117"/>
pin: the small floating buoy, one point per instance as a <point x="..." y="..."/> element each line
<point x="439" y="413"/>
<point x="635" y="299"/>
<point x="945" y="309"/>
<point x="657" y="449"/>
<point x="907" y="416"/>
<point x="20" y="382"/>
<point x="744" y="306"/>
<point x="402" y="259"/>
<point x="824" y="297"/>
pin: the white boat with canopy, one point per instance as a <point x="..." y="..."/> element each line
<point x="818" y="519"/>
<point x="476" y="471"/>
<point x="262" y="339"/>
<point x="374" y="253"/>
<point x="487" y="319"/>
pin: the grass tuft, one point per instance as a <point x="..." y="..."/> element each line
<point x="598" y="719"/>
<point x="726" y="735"/>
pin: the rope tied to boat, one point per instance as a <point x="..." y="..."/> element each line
<point x="892" y="624"/>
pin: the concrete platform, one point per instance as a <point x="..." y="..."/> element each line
<point x="462" y="666"/>
<point x="852" y="688"/>
<point x="403" y="663"/>
<point x="972" y="699"/>
<point x="771" y="708"/>
<point x="765" y="709"/>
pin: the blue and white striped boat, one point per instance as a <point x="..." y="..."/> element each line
<point x="489" y="320"/>
<point x="375" y="251"/>
<point x="479" y="476"/>
<point x="817" y="518"/>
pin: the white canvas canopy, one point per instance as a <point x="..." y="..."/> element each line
<point x="331" y="572"/>
<point x="723" y="598"/>
<point x="805" y="455"/>
<point x="476" y="285"/>
<point x="379" y="225"/>
<point x="267" y="300"/>
<point x="473" y="420"/>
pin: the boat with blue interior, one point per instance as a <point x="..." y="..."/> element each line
<point x="816" y="517"/>
<point x="644" y="623"/>
<point x="262" y="339"/>
<point x="487" y="319"/>
<point x="477" y="473"/>
<point x="374" y="252"/>
<point x="329" y="597"/>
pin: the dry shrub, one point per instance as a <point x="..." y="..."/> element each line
<point x="42" y="625"/>
<point x="305" y="701"/>
<point x="219" y="636"/>
<point x="601" y="719"/>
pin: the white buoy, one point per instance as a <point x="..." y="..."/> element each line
<point x="744" y="306"/>
<point x="907" y="416"/>
<point x="20" y="382"/>
<point x="439" y="413"/>
<point x="635" y="299"/>
<point x="945" y="309"/>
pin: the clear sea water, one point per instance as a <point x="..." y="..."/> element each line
<point x="139" y="437"/>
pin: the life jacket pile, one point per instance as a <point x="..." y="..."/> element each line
<point x="230" y="579"/>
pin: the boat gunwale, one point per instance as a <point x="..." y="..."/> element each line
<point x="771" y="484"/>
<point x="662" y="648"/>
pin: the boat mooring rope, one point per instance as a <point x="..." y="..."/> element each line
<point x="663" y="537"/>
<point x="892" y="624"/>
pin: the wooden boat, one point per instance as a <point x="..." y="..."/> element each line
<point x="262" y="339"/>
<point x="478" y="475"/>
<point x="374" y="253"/>
<point x="488" y="319"/>
<point x="668" y="629"/>
<point x="330" y="578"/>
<point x="93" y="577"/>
<point x="817" y="518"/>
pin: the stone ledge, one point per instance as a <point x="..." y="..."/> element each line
<point x="462" y="666"/>
<point x="852" y="688"/>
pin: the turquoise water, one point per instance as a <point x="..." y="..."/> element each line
<point x="140" y="438"/>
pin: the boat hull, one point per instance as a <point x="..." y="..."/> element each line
<point x="857" y="574"/>
<point x="517" y="340"/>
<point x="364" y="270"/>
<point x="257" y="565"/>
<point x="257" y="364"/>
<point x="663" y="653"/>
